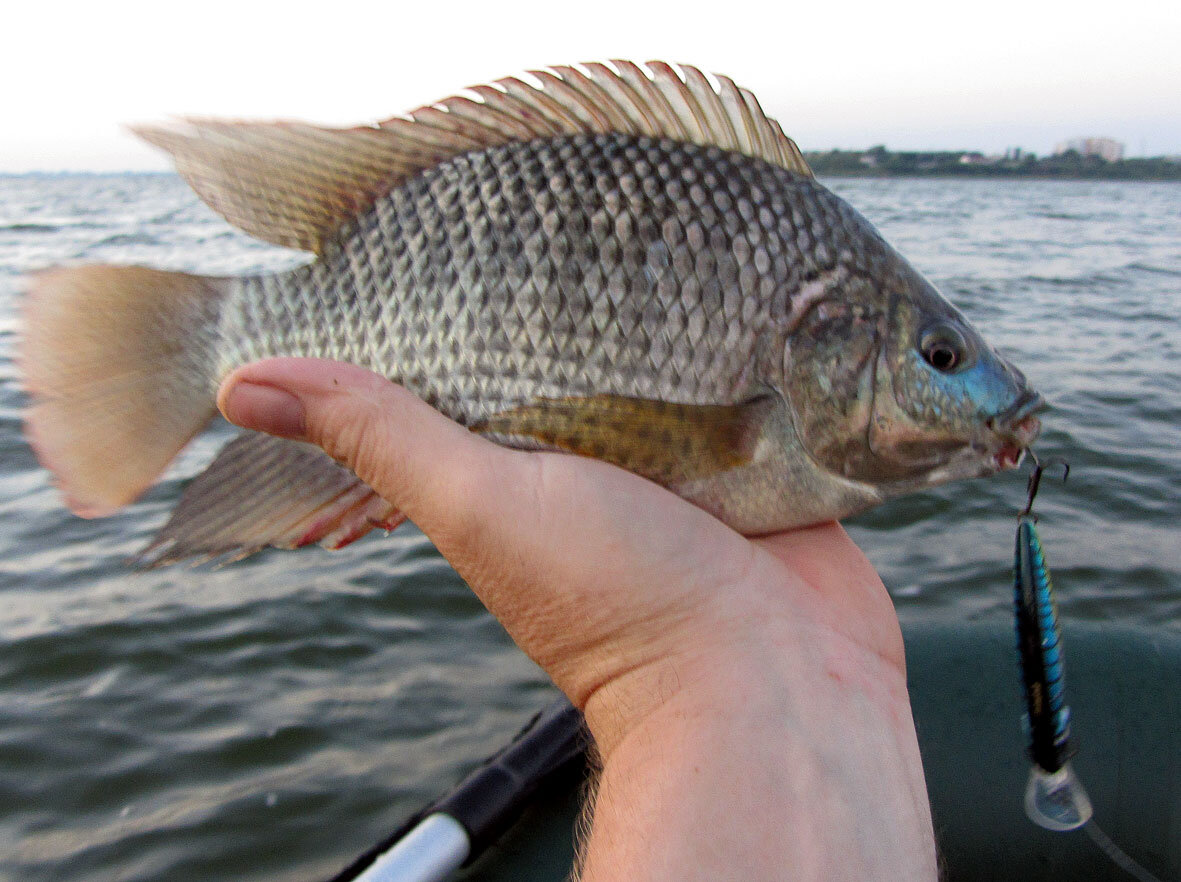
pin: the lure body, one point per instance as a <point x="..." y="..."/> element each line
<point x="1054" y="797"/>
<point x="1039" y="646"/>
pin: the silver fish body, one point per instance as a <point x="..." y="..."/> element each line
<point x="584" y="266"/>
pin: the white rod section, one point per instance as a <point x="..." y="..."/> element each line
<point x="431" y="852"/>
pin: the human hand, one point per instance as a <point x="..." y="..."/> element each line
<point x="683" y="641"/>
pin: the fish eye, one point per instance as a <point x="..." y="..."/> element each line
<point x="944" y="348"/>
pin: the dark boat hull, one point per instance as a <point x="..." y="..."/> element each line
<point x="1124" y="690"/>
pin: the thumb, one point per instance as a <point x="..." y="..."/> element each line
<point x="408" y="452"/>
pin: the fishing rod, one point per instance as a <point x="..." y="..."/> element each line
<point x="455" y="829"/>
<point x="1054" y="797"/>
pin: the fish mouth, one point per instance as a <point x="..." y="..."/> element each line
<point x="1027" y="403"/>
<point x="1016" y="428"/>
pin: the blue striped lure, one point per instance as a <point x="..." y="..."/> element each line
<point x="1054" y="797"/>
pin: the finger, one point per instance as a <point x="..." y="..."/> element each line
<point x="404" y="449"/>
<point x="546" y="540"/>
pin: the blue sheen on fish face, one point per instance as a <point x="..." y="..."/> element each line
<point x="950" y="379"/>
<point x="985" y="387"/>
<point x="947" y="405"/>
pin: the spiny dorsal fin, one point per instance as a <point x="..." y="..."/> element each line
<point x="294" y="184"/>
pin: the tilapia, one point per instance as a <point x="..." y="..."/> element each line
<point x="629" y="262"/>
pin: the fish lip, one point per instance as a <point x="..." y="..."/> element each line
<point x="1015" y="429"/>
<point x="1027" y="404"/>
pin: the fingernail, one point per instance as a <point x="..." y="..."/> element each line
<point x="265" y="409"/>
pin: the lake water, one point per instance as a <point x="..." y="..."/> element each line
<point x="272" y="719"/>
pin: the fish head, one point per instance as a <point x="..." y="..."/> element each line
<point x="893" y="388"/>
<point x="946" y="405"/>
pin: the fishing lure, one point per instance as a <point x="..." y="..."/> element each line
<point x="1054" y="797"/>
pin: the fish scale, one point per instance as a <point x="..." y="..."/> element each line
<point x="547" y="294"/>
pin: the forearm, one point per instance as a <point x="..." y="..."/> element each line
<point x="795" y="763"/>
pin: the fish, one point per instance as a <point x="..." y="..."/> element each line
<point x="624" y="261"/>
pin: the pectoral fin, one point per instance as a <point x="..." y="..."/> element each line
<point x="666" y="442"/>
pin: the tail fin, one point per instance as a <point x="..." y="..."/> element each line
<point x="119" y="363"/>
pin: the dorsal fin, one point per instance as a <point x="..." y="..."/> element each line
<point x="294" y="184"/>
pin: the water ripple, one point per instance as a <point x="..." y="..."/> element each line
<point x="270" y="720"/>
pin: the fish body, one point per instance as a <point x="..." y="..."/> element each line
<point x="592" y="265"/>
<point x="696" y="308"/>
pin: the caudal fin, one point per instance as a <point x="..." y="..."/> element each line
<point x="119" y="363"/>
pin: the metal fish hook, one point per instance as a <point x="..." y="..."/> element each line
<point x="1035" y="479"/>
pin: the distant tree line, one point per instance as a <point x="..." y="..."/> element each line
<point x="880" y="162"/>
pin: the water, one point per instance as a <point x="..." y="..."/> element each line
<point x="270" y="720"/>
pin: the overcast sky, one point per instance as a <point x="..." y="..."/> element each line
<point x="912" y="75"/>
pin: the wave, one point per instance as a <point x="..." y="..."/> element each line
<point x="1153" y="269"/>
<point x="125" y="239"/>
<point x="27" y="227"/>
<point x="1091" y="280"/>
<point x="1061" y="215"/>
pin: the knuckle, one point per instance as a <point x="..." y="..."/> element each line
<point x="353" y="431"/>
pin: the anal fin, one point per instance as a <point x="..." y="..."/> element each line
<point x="264" y="491"/>
<point x="667" y="442"/>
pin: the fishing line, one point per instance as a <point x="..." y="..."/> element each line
<point x="1117" y="855"/>
<point x="1054" y="798"/>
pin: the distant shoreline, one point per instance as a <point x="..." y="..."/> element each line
<point x="878" y="162"/>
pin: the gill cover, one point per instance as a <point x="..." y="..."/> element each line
<point x="892" y="387"/>
<point x="831" y="364"/>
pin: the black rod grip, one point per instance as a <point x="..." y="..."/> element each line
<point x="488" y="800"/>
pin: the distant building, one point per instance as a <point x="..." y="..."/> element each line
<point x="1107" y="148"/>
<point x="975" y="157"/>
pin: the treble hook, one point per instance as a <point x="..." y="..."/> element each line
<point x="1035" y="479"/>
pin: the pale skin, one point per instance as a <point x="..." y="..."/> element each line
<point x="747" y="696"/>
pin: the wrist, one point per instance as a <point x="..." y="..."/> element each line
<point x="770" y="667"/>
<point x="798" y="752"/>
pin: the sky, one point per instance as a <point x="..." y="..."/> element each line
<point x="952" y="74"/>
